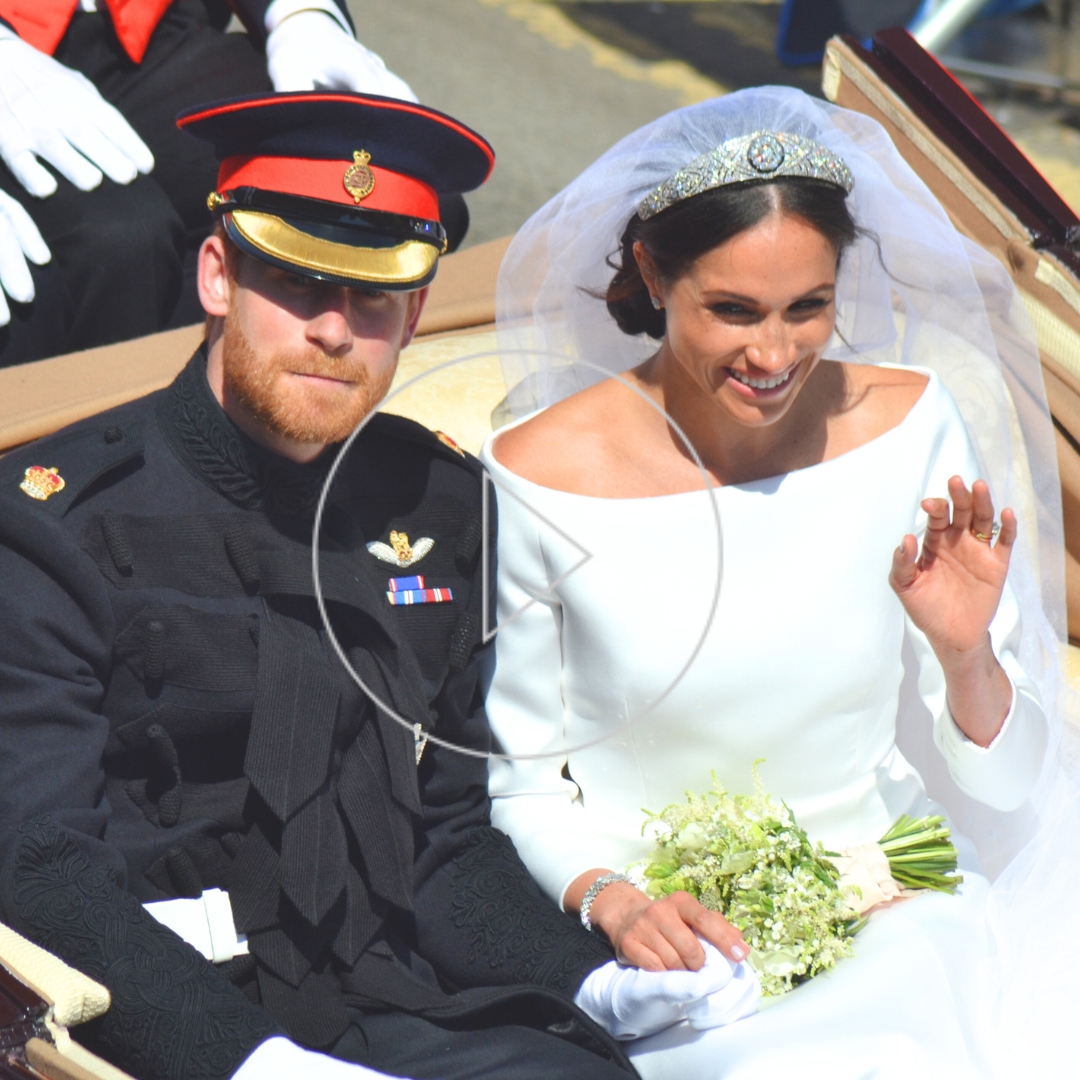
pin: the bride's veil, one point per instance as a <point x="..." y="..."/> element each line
<point x="911" y="290"/>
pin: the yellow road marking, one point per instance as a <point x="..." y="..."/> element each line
<point x="555" y="27"/>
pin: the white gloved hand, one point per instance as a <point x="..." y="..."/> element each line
<point x="310" y="50"/>
<point x="50" y="111"/>
<point x="630" y="1003"/>
<point x="19" y="241"/>
<point x="280" y="1059"/>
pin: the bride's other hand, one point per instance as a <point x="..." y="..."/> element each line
<point x="659" y="935"/>
<point x="951" y="592"/>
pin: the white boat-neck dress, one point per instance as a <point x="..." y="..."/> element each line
<point x="615" y="656"/>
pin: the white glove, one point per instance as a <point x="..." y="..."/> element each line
<point x="280" y="1059"/>
<point x="630" y="1003"/>
<point x="48" y="110"/>
<point x="311" y="50"/>
<point x="19" y="241"/>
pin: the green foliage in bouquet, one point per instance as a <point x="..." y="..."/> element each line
<point x="745" y="857"/>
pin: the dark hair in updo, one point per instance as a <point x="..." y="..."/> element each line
<point x="678" y="236"/>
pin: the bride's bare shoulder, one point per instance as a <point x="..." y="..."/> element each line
<point x="899" y="383"/>
<point x="883" y="395"/>
<point x="560" y="447"/>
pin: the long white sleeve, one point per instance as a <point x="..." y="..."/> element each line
<point x="1003" y="774"/>
<point x="532" y="800"/>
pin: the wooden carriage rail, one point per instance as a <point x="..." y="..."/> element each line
<point x="26" y="1049"/>
<point x="960" y="122"/>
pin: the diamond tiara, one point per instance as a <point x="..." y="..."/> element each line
<point x="763" y="155"/>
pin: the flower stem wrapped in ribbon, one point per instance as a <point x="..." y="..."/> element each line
<point x="747" y="858"/>
<point x="921" y="855"/>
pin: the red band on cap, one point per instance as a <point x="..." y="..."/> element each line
<point x="394" y="192"/>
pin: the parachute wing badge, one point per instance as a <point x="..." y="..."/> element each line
<point x="399" y="552"/>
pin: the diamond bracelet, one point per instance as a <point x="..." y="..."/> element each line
<point x="592" y="892"/>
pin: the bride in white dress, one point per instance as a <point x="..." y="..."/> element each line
<point x="773" y="537"/>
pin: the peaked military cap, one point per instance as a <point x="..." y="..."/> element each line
<point x="338" y="186"/>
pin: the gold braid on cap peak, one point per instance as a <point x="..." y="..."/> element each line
<point x="763" y="155"/>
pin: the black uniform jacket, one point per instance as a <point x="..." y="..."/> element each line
<point x="174" y="718"/>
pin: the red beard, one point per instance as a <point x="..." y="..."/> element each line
<point x="301" y="413"/>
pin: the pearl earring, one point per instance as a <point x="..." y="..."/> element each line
<point x="655" y="302"/>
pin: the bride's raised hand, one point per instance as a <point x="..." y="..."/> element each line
<point x="951" y="591"/>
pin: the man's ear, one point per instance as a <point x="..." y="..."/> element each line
<point x="417" y="300"/>
<point x="213" y="277"/>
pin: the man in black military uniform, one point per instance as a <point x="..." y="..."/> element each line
<point x="175" y="728"/>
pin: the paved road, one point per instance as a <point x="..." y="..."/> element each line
<point x="554" y="84"/>
<point x="548" y="95"/>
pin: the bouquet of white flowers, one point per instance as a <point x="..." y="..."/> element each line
<point x="747" y="858"/>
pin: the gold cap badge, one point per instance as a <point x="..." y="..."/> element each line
<point x="39" y="482"/>
<point x="359" y="180"/>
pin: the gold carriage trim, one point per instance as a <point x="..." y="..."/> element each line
<point x="402" y="264"/>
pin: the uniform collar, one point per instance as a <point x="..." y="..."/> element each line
<point x="219" y="454"/>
